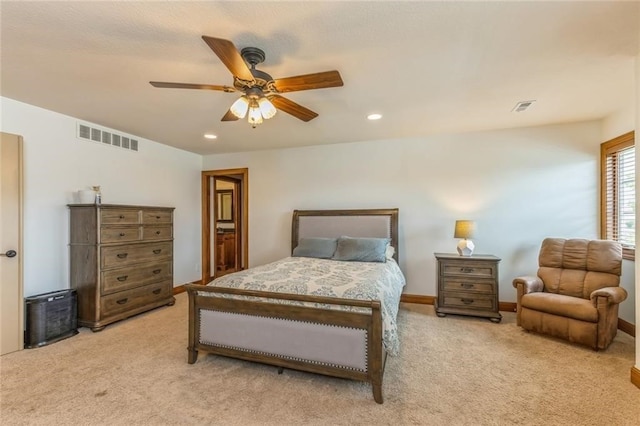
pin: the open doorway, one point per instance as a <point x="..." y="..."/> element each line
<point x="224" y="222"/>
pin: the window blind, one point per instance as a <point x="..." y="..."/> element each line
<point x="620" y="194"/>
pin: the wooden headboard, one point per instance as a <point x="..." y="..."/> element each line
<point x="378" y="223"/>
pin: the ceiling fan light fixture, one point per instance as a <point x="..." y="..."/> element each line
<point x="239" y="107"/>
<point x="252" y="84"/>
<point x="266" y="108"/>
<point x="255" y="116"/>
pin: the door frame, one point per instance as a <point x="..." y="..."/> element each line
<point x="207" y="226"/>
<point x="236" y="218"/>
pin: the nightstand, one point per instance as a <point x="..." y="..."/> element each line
<point x="468" y="286"/>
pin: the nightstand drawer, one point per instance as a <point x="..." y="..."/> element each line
<point x="470" y="268"/>
<point x="468" y="285"/>
<point x="468" y="301"/>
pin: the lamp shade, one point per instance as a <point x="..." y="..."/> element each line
<point x="239" y="107"/>
<point x="464" y="229"/>
<point x="266" y="108"/>
<point x="255" y="117"/>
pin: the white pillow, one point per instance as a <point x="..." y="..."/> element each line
<point x="389" y="252"/>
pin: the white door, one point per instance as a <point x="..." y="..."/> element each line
<point x="11" y="294"/>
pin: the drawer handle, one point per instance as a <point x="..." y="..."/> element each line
<point x="467" y="285"/>
<point x="122" y="234"/>
<point x="121" y="216"/>
<point x="157" y="291"/>
<point x="157" y="217"/>
<point x="157" y="271"/>
<point x="157" y="232"/>
<point x="122" y="301"/>
<point x="467" y="301"/>
<point x="122" y="255"/>
<point x="466" y="270"/>
<point x="123" y="278"/>
<point x="157" y="251"/>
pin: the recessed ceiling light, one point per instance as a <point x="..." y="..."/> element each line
<point x="522" y="106"/>
<point x="210" y="136"/>
<point x="374" y="116"/>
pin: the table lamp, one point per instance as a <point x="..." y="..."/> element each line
<point x="465" y="229"/>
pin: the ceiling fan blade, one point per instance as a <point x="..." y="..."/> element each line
<point x="230" y="57"/>
<point x="163" y="84"/>
<point x="229" y="116"/>
<point x="319" y="80"/>
<point x="292" y="108"/>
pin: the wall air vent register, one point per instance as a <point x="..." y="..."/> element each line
<point x="106" y="137"/>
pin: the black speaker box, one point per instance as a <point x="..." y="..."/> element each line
<point x="50" y="317"/>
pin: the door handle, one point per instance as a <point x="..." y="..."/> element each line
<point x="9" y="253"/>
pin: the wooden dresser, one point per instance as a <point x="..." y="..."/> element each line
<point x="121" y="261"/>
<point x="468" y="286"/>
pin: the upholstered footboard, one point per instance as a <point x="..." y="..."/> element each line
<point x="309" y="335"/>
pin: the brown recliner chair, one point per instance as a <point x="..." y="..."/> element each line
<point x="576" y="293"/>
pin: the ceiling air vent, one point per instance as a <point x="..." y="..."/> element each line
<point x="522" y="106"/>
<point x="106" y="137"/>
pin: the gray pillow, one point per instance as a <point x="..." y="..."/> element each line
<point x="361" y="249"/>
<point x="322" y="248"/>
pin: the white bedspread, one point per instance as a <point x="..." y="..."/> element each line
<point x="331" y="278"/>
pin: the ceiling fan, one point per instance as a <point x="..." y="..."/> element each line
<point x="260" y="92"/>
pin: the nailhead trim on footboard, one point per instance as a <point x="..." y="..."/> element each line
<point x="260" y="334"/>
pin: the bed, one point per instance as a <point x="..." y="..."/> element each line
<point x="290" y="314"/>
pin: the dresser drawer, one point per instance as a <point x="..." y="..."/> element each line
<point x="124" y="255"/>
<point x="469" y="268"/>
<point x="468" y="301"/>
<point x="470" y="285"/>
<point x="157" y="233"/>
<point x="156" y="216"/>
<point x="119" y="234"/>
<point x="126" y="278"/>
<point x="130" y="299"/>
<point x="119" y="216"/>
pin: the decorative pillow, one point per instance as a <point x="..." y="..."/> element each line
<point x="361" y="249"/>
<point x="321" y="248"/>
<point x="389" y="251"/>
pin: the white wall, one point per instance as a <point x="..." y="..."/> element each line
<point x="57" y="164"/>
<point x="619" y="123"/>
<point x="520" y="185"/>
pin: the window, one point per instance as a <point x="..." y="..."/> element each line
<point x="618" y="193"/>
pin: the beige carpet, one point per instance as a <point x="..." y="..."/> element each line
<point x="452" y="371"/>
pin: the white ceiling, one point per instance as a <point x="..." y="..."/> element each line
<point x="428" y="67"/>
